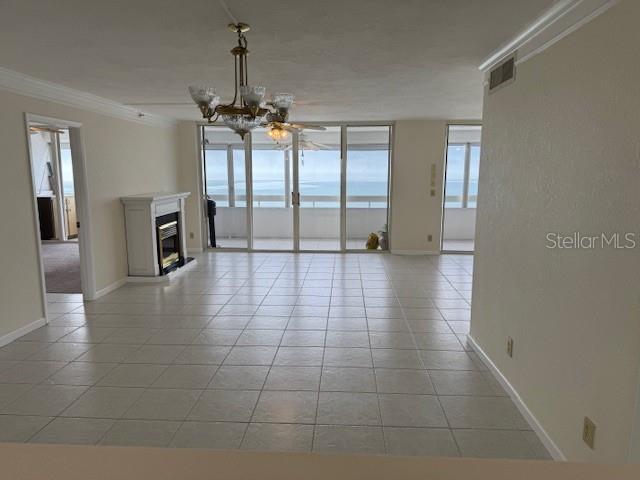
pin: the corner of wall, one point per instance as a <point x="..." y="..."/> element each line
<point x="188" y="159"/>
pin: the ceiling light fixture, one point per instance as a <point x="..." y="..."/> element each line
<point x="277" y="133"/>
<point x="248" y="109"/>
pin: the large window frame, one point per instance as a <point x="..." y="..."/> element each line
<point x="248" y="147"/>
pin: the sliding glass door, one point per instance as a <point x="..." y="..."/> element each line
<point x="317" y="190"/>
<point x="271" y="185"/>
<point x="367" y="184"/>
<point x="319" y="182"/>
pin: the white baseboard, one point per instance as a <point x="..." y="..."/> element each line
<point x="16" y="334"/>
<point x="544" y="437"/>
<point x="414" y="252"/>
<point x="108" y="289"/>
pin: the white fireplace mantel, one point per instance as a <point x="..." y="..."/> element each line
<point x="140" y="213"/>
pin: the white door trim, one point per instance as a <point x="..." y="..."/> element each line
<point x="81" y="185"/>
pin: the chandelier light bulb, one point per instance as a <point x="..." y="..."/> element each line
<point x="278" y="134"/>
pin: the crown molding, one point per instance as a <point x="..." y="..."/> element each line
<point x="561" y="19"/>
<point x="22" y="84"/>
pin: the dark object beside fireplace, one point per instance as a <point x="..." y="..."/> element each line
<point x="168" y="242"/>
<point x="211" y="213"/>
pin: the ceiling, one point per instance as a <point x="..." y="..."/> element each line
<point x="344" y="60"/>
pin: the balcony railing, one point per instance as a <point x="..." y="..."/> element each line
<point x="306" y="201"/>
<point x="455" y="201"/>
<point x="326" y="201"/>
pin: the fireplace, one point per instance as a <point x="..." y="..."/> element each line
<point x="155" y="227"/>
<point x="168" y="242"/>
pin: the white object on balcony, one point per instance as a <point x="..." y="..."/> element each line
<point x="140" y="212"/>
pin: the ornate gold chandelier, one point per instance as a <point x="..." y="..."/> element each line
<point x="248" y="109"/>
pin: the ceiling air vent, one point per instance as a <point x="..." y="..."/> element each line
<point x="502" y="74"/>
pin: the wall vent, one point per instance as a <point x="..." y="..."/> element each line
<point x="503" y="74"/>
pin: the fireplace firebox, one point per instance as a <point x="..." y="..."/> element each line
<point x="168" y="239"/>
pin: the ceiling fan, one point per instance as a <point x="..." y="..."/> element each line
<point x="304" y="144"/>
<point x="278" y="126"/>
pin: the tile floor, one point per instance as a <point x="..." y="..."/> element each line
<point x="306" y="352"/>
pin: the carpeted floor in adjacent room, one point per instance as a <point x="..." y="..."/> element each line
<point x="62" y="267"/>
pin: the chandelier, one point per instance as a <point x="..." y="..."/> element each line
<point x="248" y="108"/>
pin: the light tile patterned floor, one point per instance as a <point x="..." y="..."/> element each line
<point x="308" y="352"/>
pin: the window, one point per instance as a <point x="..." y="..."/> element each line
<point x="456" y="155"/>
<point x="474" y="173"/>
<point x="217" y="176"/>
<point x="463" y="166"/>
<point x="329" y="195"/>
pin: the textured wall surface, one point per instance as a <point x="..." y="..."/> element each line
<point x="561" y="153"/>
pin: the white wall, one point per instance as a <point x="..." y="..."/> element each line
<point x="415" y="213"/>
<point x="123" y="158"/>
<point x="189" y="178"/>
<point x="561" y="153"/>
<point x="459" y="224"/>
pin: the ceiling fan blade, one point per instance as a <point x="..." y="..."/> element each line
<point x="303" y="126"/>
<point x="322" y="146"/>
<point x="290" y="128"/>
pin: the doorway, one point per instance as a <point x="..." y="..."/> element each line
<point x="57" y="171"/>
<point x="461" y="188"/>
<point x="315" y="191"/>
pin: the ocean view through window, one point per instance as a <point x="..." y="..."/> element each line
<point x="461" y="187"/>
<point x="318" y="184"/>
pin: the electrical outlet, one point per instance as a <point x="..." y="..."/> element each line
<point x="191" y="235"/>
<point x="510" y="346"/>
<point x="589" y="432"/>
<point x="429" y="238"/>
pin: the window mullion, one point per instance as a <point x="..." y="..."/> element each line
<point x="231" y="184"/>
<point x="467" y="167"/>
